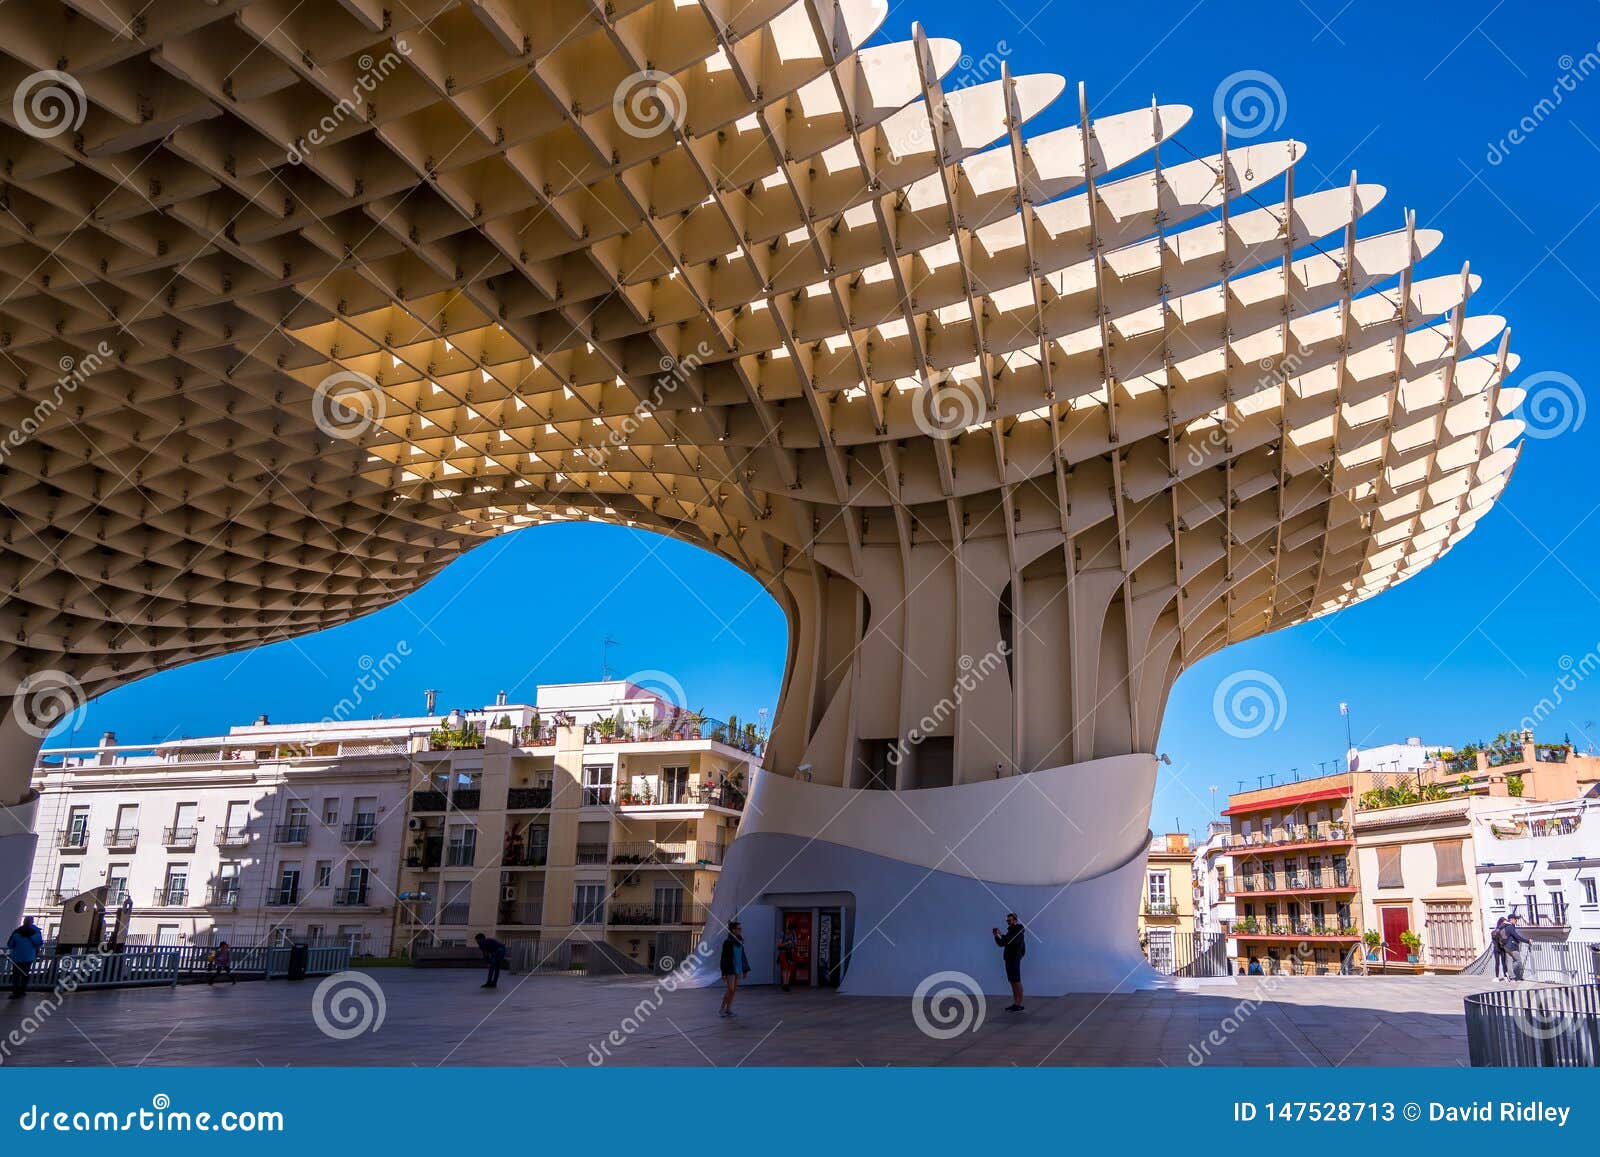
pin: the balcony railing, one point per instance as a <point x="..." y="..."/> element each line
<point x="592" y="853"/>
<point x="466" y="798"/>
<point x="528" y="797"/>
<point x="179" y="837"/>
<point x="650" y="852"/>
<point x="73" y="840"/>
<point x="291" y="833"/>
<point x="460" y="855"/>
<point x="423" y="858"/>
<point x="116" y="895"/>
<point x="653" y="915"/>
<point x="1241" y="885"/>
<point x="363" y="831"/>
<point x="428" y="801"/>
<point x="525" y="856"/>
<point x="235" y="837"/>
<point x="584" y="913"/>
<point x="1324" y="832"/>
<point x="1154" y="907"/>
<point x="122" y="839"/>
<point x="283" y="897"/>
<point x="350" y="897"/>
<point x="55" y="897"/>
<point x="597" y="796"/>
<point x="222" y="896"/>
<point x="171" y="896"/>
<point x="454" y="913"/>
<point x="528" y="914"/>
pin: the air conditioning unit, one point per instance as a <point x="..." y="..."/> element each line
<point x="414" y="824"/>
<point x="508" y="893"/>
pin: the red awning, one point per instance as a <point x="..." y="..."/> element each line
<point x="1288" y="801"/>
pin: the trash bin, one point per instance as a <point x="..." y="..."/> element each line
<point x="299" y="961"/>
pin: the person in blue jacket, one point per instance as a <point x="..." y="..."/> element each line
<point x="735" y="965"/>
<point x="495" y="954"/>
<point x="24" y="947"/>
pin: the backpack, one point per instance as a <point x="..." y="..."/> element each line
<point x="1498" y="937"/>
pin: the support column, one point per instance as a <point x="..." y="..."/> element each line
<point x="19" y="807"/>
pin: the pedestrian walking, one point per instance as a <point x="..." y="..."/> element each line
<point x="495" y="954"/>
<point x="1497" y="947"/>
<point x="220" y="961"/>
<point x="1013" y="948"/>
<point x="1514" y="942"/>
<point x="24" y="946"/>
<point x="788" y="953"/>
<point x="735" y="966"/>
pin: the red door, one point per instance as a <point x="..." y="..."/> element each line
<point x="800" y="924"/>
<point x="1395" y="921"/>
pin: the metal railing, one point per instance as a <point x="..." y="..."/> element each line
<point x="528" y="797"/>
<point x="584" y="913"/>
<point x="119" y="838"/>
<point x="524" y="914"/>
<point x="652" y="915"/>
<point x="169" y="964"/>
<point x="222" y="896"/>
<point x="453" y="913"/>
<point x="283" y="897"/>
<point x="592" y="853"/>
<point x="648" y="852"/>
<point x="1538" y="1027"/>
<point x="1189" y="954"/>
<point x="350" y="897"/>
<point x="460" y="855"/>
<point x="232" y="837"/>
<point x="361" y="832"/>
<point x="525" y="856"/>
<point x="467" y="798"/>
<point x="179" y="837"/>
<point x="428" y="801"/>
<point x="290" y="833"/>
<point x="73" y="841"/>
<point x="171" y="897"/>
<point x="1569" y="962"/>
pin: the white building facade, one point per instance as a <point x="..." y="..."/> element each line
<point x="1541" y="862"/>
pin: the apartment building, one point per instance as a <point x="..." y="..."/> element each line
<point x="269" y="832"/>
<point x="1293" y="880"/>
<point x="1540" y="861"/>
<point x="587" y="829"/>
<point x="1214" y="910"/>
<point x="1166" y="913"/>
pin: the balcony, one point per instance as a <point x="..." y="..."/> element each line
<point x="586" y="913"/>
<point x="460" y="855"/>
<point x="283" y="897"/>
<point x="295" y="833"/>
<point x="180" y="839"/>
<point x="171" y="896"/>
<point x="224" y="895"/>
<point x="599" y="796"/>
<point x="73" y="840"/>
<point x="116" y="895"/>
<point x="236" y="837"/>
<point x="122" y="839"/>
<point x="592" y="854"/>
<point x="655" y="915"/>
<point x="1154" y="907"/>
<point x="525" y="856"/>
<point x="454" y="913"/>
<point x="1299" y="835"/>
<point x="1267" y="886"/>
<point x="650" y="853"/>
<point x="684" y="796"/>
<point x="424" y="858"/>
<point x="428" y="801"/>
<point x="527" y="798"/>
<point x="466" y="798"/>
<point x="524" y="914"/>
<point x="54" y="898"/>
<point x="363" y="831"/>
<point x="350" y="898"/>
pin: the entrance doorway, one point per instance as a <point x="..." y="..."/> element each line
<point x="818" y="944"/>
<point x="1395" y="922"/>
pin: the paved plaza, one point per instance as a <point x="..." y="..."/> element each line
<point x="444" y="1018"/>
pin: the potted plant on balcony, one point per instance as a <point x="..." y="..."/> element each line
<point x="606" y="726"/>
<point x="1372" y="939"/>
<point x="1413" y="943"/>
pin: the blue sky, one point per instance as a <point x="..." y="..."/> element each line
<point x="1421" y="99"/>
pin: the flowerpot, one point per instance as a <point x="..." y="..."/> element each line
<point x="1411" y="959"/>
<point x="1373" y="954"/>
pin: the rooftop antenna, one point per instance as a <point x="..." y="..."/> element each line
<point x="431" y="696"/>
<point x="605" y="657"/>
<point x="1344" y="709"/>
<point x="1213" y="790"/>
<point x="1241" y="785"/>
<point x="1259" y="783"/>
<point x="1272" y="779"/>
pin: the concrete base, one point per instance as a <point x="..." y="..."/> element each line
<point x="920" y="878"/>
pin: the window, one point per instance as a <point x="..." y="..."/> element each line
<point x="1158" y="890"/>
<point x="364" y="821"/>
<point x="127" y="829"/>
<point x="236" y="828"/>
<point x="463" y="845"/>
<point x="457" y="902"/>
<point x="1389" y="874"/>
<point x="1447" y="858"/>
<point x="330" y="812"/>
<point x="1158" y="947"/>
<point x="167" y="934"/>
<point x="183" y="821"/>
<point x="597" y="779"/>
<point x="314" y="933"/>
<point x="228" y="885"/>
<point x="1448" y="932"/>
<point x="288" y="884"/>
<point x="177" y="889"/>
<point x="674" y="785"/>
<point x="324" y="873"/>
<point x="668" y="904"/>
<point x="355" y="891"/>
<point x="589" y="904"/>
<point x="67" y="882"/>
<point x="116" y="885"/>
<point x="1588" y="891"/>
<point x="1558" y="906"/>
<point x="351" y="934"/>
<point x="77" y="828"/>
